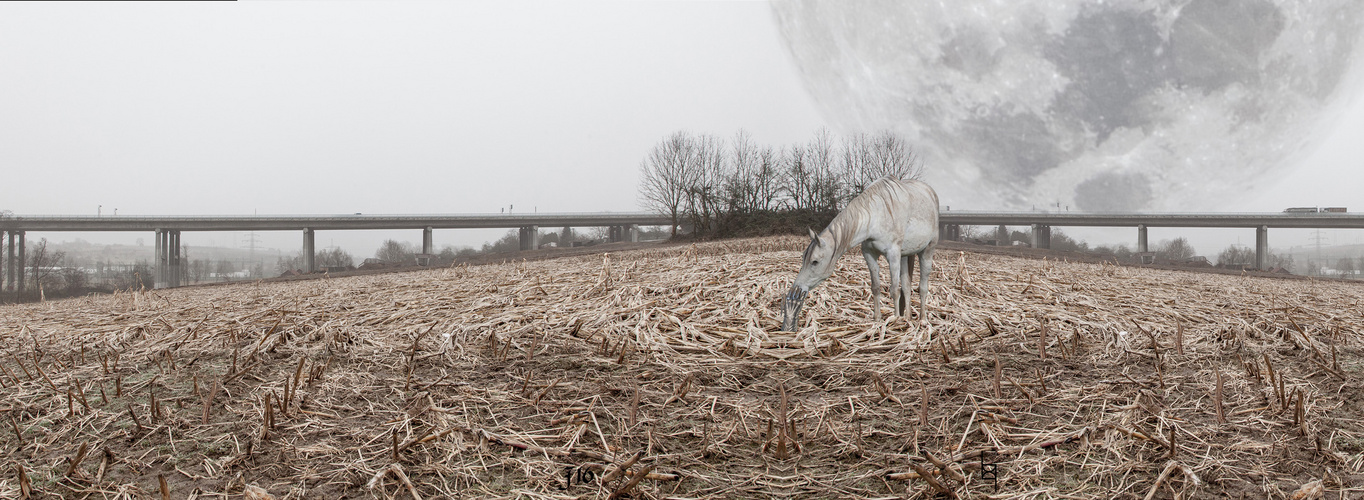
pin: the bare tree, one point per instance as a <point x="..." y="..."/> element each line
<point x="866" y="158"/>
<point x="1346" y="267"/>
<point x="767" y="179"/>
<point x="706" y="173"/>
<point x="753" y="176"/>
<point x="799" y="178"/>
<point x="198" y="269"/>
<point x="822" y="158"/>
<point x="224" y="269"/>
<point x="664" y="177"/>
<point x="721" y="188"/>
<point x="509" y="242"/>
<point x="75" y="279"/>
<point x="393" y="251"/>
<point x="891" y="157"/>
<point x="45" y="265"/>
<point x="335" y="257"/>
<point x="743" y="161"/>
<point x="854" y="162"/>
<point x="1176" y="249"/>
<point x="1236" y="256"/>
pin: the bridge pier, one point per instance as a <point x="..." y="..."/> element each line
<point x="14" y="271"/>
<point x="7" y="280"/>
<point x="309" y="251"/>
<point x="1002" y="236"/>
<point x="19" y="269"/>
<point x="949" y="232"/>
<point x="530" y="237"/>
<point x="424" y="258"/>
<point x="173" y="259"/>
<point x="1141" y="239"/>
<point x="631" y="233"/>
<point x="159" y="273"/>
<point x="1262" y="248"/>
<point x="168" y="272"/>
<point x="1041" y="236"/>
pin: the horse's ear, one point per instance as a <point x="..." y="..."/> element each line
<point x="813" y="236"/>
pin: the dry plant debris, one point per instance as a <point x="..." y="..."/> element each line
<point x="660" y="373"/>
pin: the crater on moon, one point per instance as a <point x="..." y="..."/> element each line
<point x="1121" y="105"/>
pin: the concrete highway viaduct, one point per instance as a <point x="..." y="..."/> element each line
<point x="169" y="265"/>
<point x="1041" y="223"/>
<point x="621" y="228"/>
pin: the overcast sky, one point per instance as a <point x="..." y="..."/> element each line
<point x="373" y="107"/>
<point x="409" y="107"/>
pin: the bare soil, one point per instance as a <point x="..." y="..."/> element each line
<point x="535" y="379"/>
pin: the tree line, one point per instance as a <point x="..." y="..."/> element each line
<point x="738" y="187"/>
<point x="48" y="274"/>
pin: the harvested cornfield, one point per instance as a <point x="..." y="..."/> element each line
<point x="661" y="374"/>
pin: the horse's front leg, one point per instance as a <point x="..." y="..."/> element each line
<point x="893" y="258"/>
<point x="870" y="255"/>
<point x="925" y="269"/>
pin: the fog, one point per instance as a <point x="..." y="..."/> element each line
<point x="435" y="107"/>
<point x="371" y="107"/>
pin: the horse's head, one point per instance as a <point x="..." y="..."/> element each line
<point x="816" y="265"/>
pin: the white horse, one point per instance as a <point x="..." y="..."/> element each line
<point x="894" y="218"/>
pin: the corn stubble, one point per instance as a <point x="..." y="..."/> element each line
<point x="661" y="373"/>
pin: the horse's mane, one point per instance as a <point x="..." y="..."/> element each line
<point x="885" y="193"/>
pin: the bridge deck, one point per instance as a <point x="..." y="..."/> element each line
<point x="324" y="222"/>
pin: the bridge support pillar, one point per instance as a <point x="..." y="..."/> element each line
<point x="530" y="237"/>
<point x="8" y="284"/>
<point x="159" y="280"/>
<point x="949" y="232"/>
<point x="426" y="240"/>
<point x="1262" y="248"/>
<point x="173" y="259"/>
<point x="1041" y="236"/>
<point x="1141" y="239"/>
<point x="19" y="269"/>
<point x="309" y="253"/>
<point x="14" y="267"/>
<point x="631" y="233"/>
<point x="1002" y="236"/>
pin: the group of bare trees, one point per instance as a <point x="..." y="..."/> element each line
<point x="331" y="257"/>
<point x="49" y="273"/>
<point x="737" y="186"/>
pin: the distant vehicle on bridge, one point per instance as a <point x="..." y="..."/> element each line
<point x="1313" y="210"/>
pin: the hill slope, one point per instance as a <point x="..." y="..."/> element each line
<point x="509" y="379"/>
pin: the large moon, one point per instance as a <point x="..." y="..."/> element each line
<point x="1101" y="106"/>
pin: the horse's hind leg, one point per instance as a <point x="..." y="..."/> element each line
<point x="925" y="269"/>
<point x="875" y="271"/>
<point x="906" y="271"/>
<point x="896" y="284"/>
